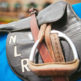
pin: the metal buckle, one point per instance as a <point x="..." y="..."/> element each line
<point x="33" y="11"/>
<point x="54" y="69"/>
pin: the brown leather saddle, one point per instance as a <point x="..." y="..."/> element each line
<point x="56" y="32"/>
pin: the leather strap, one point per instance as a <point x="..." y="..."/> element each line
<point x="59" y="57"/>
<point x="42" y="48"/>
<point x="48" y="43"/>
<point x="53" y="44"/>
<point x="42" y="32"/>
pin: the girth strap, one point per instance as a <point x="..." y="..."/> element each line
<point x="42" y="48"/>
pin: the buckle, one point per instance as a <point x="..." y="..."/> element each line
<point x="54" y="69"/>
<point x="33" y="11"/>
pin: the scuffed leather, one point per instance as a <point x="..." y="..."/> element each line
<point x="62" y="18"/>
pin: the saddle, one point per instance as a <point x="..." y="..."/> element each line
<point x="55" y="31"/>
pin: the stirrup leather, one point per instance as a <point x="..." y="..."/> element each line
<point x="56" y="68"/>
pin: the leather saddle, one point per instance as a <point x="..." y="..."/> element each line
<point x="20" y="41"/>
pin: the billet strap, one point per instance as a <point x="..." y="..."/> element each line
<point x="42" y="49"/>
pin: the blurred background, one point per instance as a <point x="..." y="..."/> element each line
<point x="12" y="10"/>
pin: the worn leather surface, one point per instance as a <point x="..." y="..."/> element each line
<point x="62" y="18"/>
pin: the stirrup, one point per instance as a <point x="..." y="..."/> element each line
<point x="54" y="69"/>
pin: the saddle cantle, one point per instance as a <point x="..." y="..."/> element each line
<point x="20" y="41"/>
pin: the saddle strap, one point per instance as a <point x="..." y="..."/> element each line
<point x="54" y="47"/>
<point x="42" y="48"/>
<point x="48" y="43"/>
<point x="53" y="44"/>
